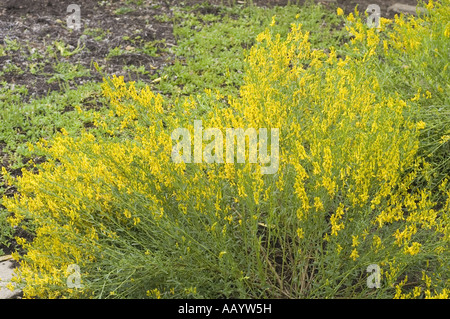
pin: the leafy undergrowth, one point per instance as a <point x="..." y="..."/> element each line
<point x="361" y="178"/>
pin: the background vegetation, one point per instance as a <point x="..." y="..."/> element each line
<point x="363" y="176"/>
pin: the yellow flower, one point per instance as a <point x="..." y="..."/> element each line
<point x="335" y="226"/>
<point x="351" y="17"/>
<point x="300" y="233"/>
<point x="416" y="96"/>
<point x="127" y="213"/>
<point x="447" y="30"/>
<point x="340" y="11"/>
<point x="10" y="286"/>
<point x="20" y="240"/>
<point x="155" y="292"/>
<point x="413" y="249"/>
<point x="318" y="204"/>
<point x="273" y="21"/>
<point x="417" y="291"/>
<point x="376" y="242"/>
<point x="354" y="255"/>
<point x="421" y="125"/>
<point x="229" y="218"/>
<point x="384" y="21"/>
<point x="355" y="241"/>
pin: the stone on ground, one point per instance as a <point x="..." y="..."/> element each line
<point x="405" y="8"/>
<point x="7" y="268"/>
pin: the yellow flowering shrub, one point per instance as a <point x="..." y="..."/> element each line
<point x="413" y="54"/>
<point x="346" y="194"/>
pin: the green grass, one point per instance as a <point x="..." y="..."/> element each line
<point x="65" y="72"/>
<point x="42" y="118"/>
<point x="11" y="45"/>
<point x="98" y="33"/>
<point x="123" y="10"/>
<point x="211" y="47"/>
